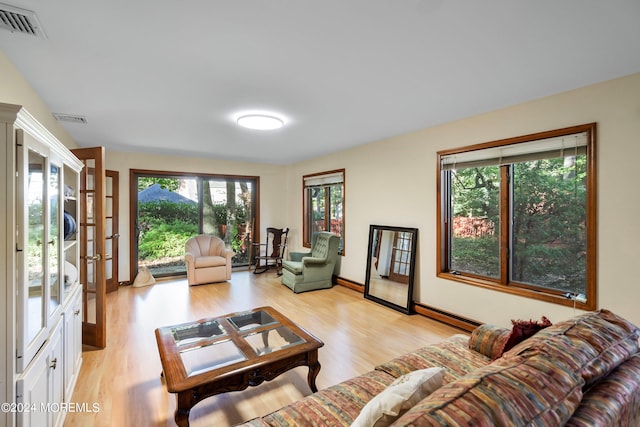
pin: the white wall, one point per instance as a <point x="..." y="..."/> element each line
<point x="14" y="89"/>
<point x="272" y="197"/>
<point x="393" y="182"/>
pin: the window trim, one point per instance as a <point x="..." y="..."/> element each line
<point x="503" y="284"/>
<point x="305" y="205"/>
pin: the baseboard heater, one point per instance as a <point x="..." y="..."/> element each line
<point x="446" y="317"/>
<point x="450" y="319"/>
<point x="348" y="283"/>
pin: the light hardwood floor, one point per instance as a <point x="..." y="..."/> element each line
<point x="124" y="378"/>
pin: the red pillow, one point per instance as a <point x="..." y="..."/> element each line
<point x="523" y="329"/>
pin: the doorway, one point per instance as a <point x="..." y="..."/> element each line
<point x="112" y="181"/>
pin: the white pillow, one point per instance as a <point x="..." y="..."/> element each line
<point x="70" y="273"/>
<point x="398" y="397"/>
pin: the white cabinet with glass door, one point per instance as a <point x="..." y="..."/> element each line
<point x="39" y="260"/>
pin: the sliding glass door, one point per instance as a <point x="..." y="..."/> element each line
<point x="228" y="211"/>
<point x="170" y="208"/>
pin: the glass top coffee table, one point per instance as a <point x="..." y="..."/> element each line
<point x="230" y="353"/>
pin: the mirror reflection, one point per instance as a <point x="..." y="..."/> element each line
<point x="390" y="266"/>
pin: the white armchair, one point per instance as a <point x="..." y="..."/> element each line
<point x="208" y="260"/>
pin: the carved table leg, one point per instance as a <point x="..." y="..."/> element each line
<point x="314" y="369"/>
<point x="182" y="417"/>
<point x="183" y="408"/>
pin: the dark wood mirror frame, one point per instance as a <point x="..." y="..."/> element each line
<point x="391" y="260"/>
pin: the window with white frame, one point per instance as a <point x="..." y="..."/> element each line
<point x="519" y="215"/>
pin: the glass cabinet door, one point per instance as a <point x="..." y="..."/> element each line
<point x="53" y="240"/>
<point x="70" y="215"/>
<point x="32" y="224"/>
<point x="35" y="245"/>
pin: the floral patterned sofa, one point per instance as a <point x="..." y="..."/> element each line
<point x="584" y="371"/>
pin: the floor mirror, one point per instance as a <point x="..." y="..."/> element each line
<point x="390" y="266"/>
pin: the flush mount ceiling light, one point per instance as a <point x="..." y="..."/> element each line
<point x="260" y="122"/>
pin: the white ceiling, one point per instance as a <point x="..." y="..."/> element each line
<point x="171" y="76"/>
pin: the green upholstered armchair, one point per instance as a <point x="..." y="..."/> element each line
<point x="312" y="270"/>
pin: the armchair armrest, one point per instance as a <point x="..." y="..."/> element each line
<point x="311" y="260"/>
<point x="189" y="257"/>
<point x="297" y="256"/>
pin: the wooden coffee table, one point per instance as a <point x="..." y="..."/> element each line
<point x="230" y="353"/>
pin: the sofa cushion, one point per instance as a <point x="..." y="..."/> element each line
<point x="337" y="405"/>
<point x="402" y="394"/>
<point x="453" y="354"/>
<point x="521" y="391"/>
<point x="593" y="344"/>
<point x="614" y="400"/>
<point x="489" y="340"/>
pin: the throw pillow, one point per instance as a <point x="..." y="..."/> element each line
<point x="523" y="329"/>
<point x="402" y="394"/>
<point x="489" y="340"/>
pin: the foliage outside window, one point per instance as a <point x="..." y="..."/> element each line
<point x="173" y="207"/>
<point x="519" y="215"/>
<point x="324" y="205"/>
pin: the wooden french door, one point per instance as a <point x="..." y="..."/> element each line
<point x="92" y="246"/>
<point x="112" y="233"/>
<point x="401" y="257"/>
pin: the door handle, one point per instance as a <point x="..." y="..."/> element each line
<point x="96" y="257"/>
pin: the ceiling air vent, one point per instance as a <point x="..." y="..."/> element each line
<point x="72" y="118"/>
<point x="20" y="21"/>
